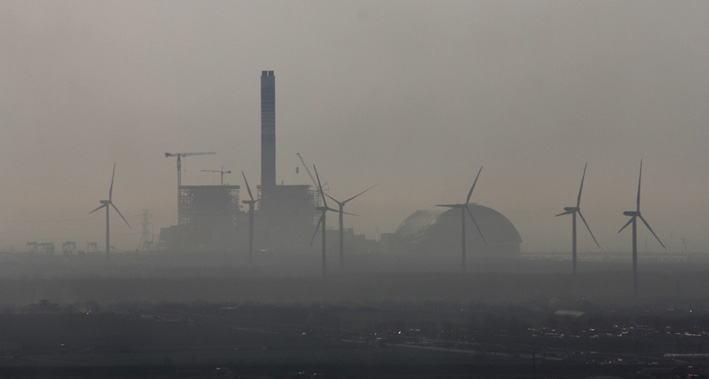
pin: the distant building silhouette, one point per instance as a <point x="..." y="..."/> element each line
<point x="286" y="213"/>
<point x="438" y="232"/>
<point x="211" y="218"/>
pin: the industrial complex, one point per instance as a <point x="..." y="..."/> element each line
<point x="210" y="217"/>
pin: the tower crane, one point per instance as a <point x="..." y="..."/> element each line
<point x="179" y="172"/>
<point x="222" y="172"/>
<point x="179" y="162"/>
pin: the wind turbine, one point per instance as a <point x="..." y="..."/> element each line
<point x="463" y="210"/>
<point x="108" y="204"/>
<point x="251" y="217"/>
<point x="573" y="211"/>
<point x="341" y="205"/>
<point x="323" y="211"/>
<point x="634" y="215"/>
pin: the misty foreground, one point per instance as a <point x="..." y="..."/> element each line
<point x="527" y="318"/>
<point x="602" y="279"/>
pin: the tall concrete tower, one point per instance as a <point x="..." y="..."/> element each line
<point x="268" y="132"/>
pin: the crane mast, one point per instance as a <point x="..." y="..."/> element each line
<point x="179" y="173"/>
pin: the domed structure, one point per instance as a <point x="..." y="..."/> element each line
<point x="434" y="232"/>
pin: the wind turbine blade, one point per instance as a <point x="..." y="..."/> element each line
<point x="99" y="207"/>
<point x="247" y="185"/>
<point x="335" y="210"/>
<point x="470" y="193"/>
<point x="335" y="200"/>
<point x="320" y="186"/>
<point x="589" y="229"/>
<point x="652" y="231"/>
<point x="476" y="223"/>
<point x="119" y="213"/>
<point x="316" y="230"/>
<point x="110" y="191"/>
<point x="563" y="213"/>
<point x="626" y="224"/>
<point x="450" y="205"/>
<point x="639" y="179"/>
<point x="578" y="200"/>
<point x="353" y="197"/>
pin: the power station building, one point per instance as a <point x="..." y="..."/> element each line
<point x="438" y="232"/>
<point x="211" y="218"/>
<point x="286" y="213"/>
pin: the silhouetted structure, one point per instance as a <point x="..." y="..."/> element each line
<point x="573" y="211"/>
<point x="179" y="172"/>
<point x="210" y="219"/>
<point x="286" y="212"/>
<point x="341" y="213"/>
<point x="251" y="203"/>
<point x="434" y="232"/>
<point x="286" y="218"/>
<point x="634" y="215"/>
<point x="465" y="212"/>
<point x="268" y="131"/>
<point x="108" y="204"/>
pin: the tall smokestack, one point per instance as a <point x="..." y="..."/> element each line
<point x="268" y="131"/>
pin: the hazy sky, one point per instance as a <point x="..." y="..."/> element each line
<point x="413" y="95"/>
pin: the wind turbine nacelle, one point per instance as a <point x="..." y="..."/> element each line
<point x="104" y="201"/>
<point x="571" y="209"/>
<point x="631" y="213"/>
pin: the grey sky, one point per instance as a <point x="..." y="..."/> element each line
<point x="413" y="95"/>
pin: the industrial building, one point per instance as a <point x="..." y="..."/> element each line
<point x="286" y="213"/>
<point x="210" y="217"/>
<point x="438" y="232"/>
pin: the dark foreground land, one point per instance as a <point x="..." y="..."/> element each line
<point x="383" y="340"/>
<point x="526" y="319"/>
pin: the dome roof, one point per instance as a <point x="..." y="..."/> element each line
<point x="439" y="231"/>
<point x="418" y="222"/>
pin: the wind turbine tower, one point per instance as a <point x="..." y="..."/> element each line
<point x="573" y="211"/>
<point x="108" y="204"/>
<point x="463" y="210"/>
<point x="634" y="215"/>
<point x="251" y="203"/>
<point x="322" y="221"/>
<point x="342" y="212"/>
